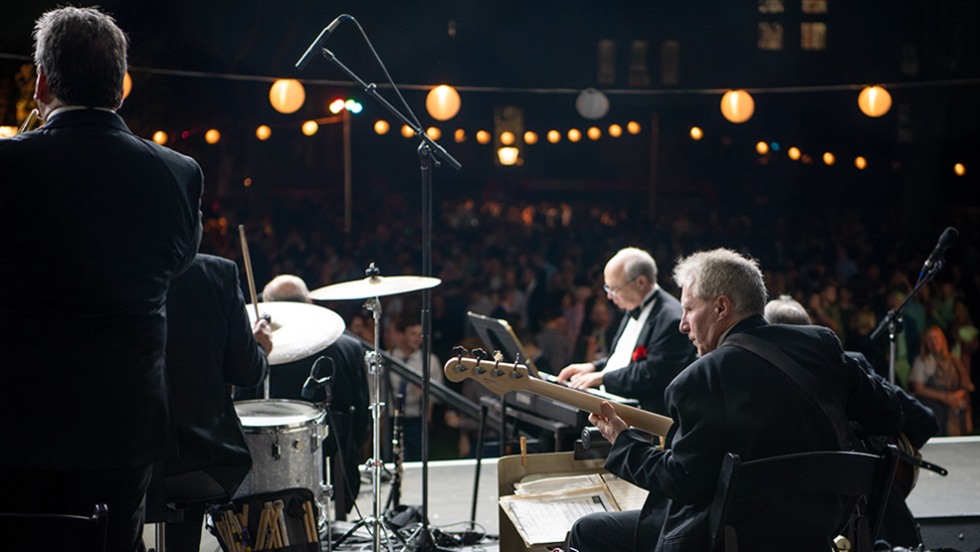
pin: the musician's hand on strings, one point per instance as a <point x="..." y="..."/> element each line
<point x="262" y="332"/>
<point x="573" y="369"/>
<point x="608" y="422"/>
<point x="585" y="381"/>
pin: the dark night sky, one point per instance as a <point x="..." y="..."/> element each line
<point x="516" y="46"/>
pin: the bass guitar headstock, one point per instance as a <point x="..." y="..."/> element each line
<point x="490" y="372"/>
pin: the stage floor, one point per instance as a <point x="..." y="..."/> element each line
<point x="451" y="491"/>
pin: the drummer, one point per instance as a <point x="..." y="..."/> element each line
<point x="210" y="345"/>
<point x="349" y="402"/>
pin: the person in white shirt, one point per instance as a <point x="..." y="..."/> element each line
<point x="649" y="349"/>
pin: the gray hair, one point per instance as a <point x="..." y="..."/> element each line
<point x="711" y="274"/>
<point x="83" y="55"/>
<point x="636" y="262"/>
<point x="786" y="310"/>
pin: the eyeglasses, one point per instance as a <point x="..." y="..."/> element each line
<point x="613" y="291"/>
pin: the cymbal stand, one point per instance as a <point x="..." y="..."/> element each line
<point x="374" y="361"/>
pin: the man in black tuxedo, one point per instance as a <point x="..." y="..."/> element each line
<point x="648" y="351"/>
<point x="899" y="526"/>
<point x="98" y="222"/>
<point x="731" y="400"/>
<point x="211" y="345"/>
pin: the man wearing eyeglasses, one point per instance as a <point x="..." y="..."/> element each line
<point x="648" y="350"/>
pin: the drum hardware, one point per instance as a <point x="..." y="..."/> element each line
<point x="372" y="288"/>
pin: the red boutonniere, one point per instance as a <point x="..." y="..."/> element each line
<point x="639" y="353"/>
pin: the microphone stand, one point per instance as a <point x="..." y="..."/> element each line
<point x="429" y="152"/>
<point x="892" y="322"/>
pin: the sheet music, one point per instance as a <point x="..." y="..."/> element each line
<point x="547" y="517"/>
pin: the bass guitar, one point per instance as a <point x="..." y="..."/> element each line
<point x="502" y="378"/>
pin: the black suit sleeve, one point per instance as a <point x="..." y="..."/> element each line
<point x="245" y="363"/>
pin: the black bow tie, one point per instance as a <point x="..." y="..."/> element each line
<point x="635" y="313"/>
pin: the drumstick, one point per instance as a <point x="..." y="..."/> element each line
<point x="308" y="522"/>
<point x="281" y="517"/>
<point x="248" y="270"/>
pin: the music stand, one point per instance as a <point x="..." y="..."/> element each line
<point x="498" y="335"/>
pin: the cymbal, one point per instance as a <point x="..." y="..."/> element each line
<point x="374" y="286"/>
<point x="298" y="329"/>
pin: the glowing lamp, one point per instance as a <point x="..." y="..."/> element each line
<point x="696" y="133"/>
<point x="959" y="169"/>
<point x="482" y="137"/>
<point x="310" y="128"/>
<point x="615" y="130"/>
<point x="633" y="127"/>
<point x="407" y="131"/>
<point x="507" y="155"/>
<point x="874" y="101"/>
<point x="160" y="137"/>
<point x="287" y="95"/>
<point x="212" y="136"/>
<point x="530" y="137"/>
<point x="761" y="148"/>
<point x="861" y="163"/>
<point x="459" y="136"/>
<point x="381" y="127"/>
<point x="554" y="136"/>
<point x="336" y="106"/>
<point x="737" y="106"/>
<point x="433" y="133"/>
<point x="794" y="153"/>
<point x="442" y="102"/>
<point x="263" y="132"/>
<point x="829" y="158"/>
<point x="593" y="133"/>
<point x="507" y="138"/>
<point x="574" y="135"/>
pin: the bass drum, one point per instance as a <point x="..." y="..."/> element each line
<point x="284" y="438"/>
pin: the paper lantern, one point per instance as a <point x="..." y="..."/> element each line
<point x="737" y="106"/>
<point x="287" y="95"/>
<point x="442" y="102"/>
<point x="874" y="101"/>
<point x="592" y="104"/>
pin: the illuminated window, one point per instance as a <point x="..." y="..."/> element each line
<point x="772" y="6"/>
<point x="813" y="6"/>
<point x="813" y="36"/>
<point x="770" y="36"/>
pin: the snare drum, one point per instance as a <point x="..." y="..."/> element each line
<point x="284" y="438"/>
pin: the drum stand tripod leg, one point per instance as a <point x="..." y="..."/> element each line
<point x="374" y="522"/>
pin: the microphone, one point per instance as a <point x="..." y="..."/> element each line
<point x="324" y="34"/>
<point x="945" y="240"/>
<point x="311" y="384"/>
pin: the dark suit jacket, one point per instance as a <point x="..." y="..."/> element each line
<point x="209" y="348"/>
<point x="98" y="222"/>
<point x="668" y="352"/>
<point x="731" y="400"/>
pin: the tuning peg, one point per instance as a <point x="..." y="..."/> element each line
<point x="480" y="354"/>
<point x="459" y="351"/>
<point x="497" y="372"/>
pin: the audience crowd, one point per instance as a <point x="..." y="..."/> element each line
<point x="539" y="266"/>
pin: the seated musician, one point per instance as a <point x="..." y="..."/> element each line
<point x="899" y="527"/>
<point x="647" y="351"/>
<point x="349" y="401"/>
<point x="731" y="400"/>
<point x="211" y="345"/>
